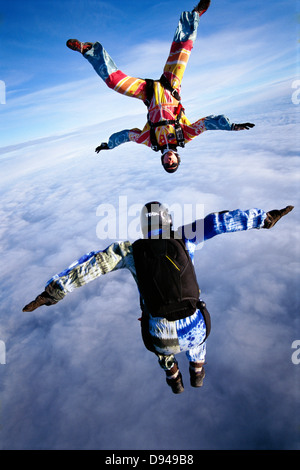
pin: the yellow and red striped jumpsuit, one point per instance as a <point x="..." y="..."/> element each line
<point x="163" y="105"/>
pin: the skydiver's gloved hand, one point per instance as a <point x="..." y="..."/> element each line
<point x="103" y="146"/>
<point x="43" y="299"/>
<point x="242" y="127"/>
<point x="275" y="215"/>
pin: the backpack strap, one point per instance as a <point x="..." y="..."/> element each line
<point x="175" y="123"/>
<point x="167" y="85"/>
<point x="149" y="91"/>
<point x="178" y="133"/>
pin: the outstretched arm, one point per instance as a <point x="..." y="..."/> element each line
<point x="222" y="222"/>
<point x="233" y="221"/>
<point x="220" y="122"/>
<point x="83" y="271"/>
<point x="119" y="138"/>
<point x="237" y="220"/>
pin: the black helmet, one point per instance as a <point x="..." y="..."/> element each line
<point x="155" y="217"/>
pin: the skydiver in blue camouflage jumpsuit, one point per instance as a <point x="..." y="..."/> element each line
<point x="167" y="337"/>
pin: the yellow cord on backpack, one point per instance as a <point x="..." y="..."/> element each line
<point x="172" y="262"/>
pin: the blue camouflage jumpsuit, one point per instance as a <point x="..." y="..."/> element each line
<point x="169" y="337"/>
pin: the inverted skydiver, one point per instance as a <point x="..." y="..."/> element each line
<point x="174" y="319"/>
<point x="167" y="126"/>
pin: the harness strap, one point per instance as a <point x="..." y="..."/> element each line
<point x="167" y="85"/>
<point x="174" y="122"/>
<point x="177" y="127"/>
<point x="149" y="91"/>
<point x="162" y="123"/>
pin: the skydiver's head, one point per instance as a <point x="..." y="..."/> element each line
<point x="170" y="160"/>
<point x="156" y="222"/>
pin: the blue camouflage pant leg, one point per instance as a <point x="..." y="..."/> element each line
<point x="113" y="77"/>
<point x="101" y="61"/>
<point x="186" y="335"/>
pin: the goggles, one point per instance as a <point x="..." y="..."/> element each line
<point x="170" y="166"/>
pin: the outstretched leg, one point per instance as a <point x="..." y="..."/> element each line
<point x="197" y="373"/>
<point x="182" y="45"/>
<point x="196" y="358"/>
<point x="166" y="361"/>
<point x="106" y="68"/>
<point x="173" y="374"/>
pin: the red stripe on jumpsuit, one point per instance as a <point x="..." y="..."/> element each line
<point x="117" y="77"/>
<point x="177" y="62"/>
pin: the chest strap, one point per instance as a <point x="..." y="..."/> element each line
<point x="177" y="128"/>
<point x="173" y="122"/>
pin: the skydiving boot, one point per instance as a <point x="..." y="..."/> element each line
<point x="78" y="46"/>
<point x="273" y="216"/>
<point x="202" y="6"/>
<point x="174" y="379"/>
<point x="197" y="373"/>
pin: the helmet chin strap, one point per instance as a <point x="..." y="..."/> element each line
<point x="168" y="149"/>
<point x="155" y="232"/>
<point x="159" y="231"/>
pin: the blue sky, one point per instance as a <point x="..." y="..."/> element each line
<point x="50" y="89"/>
<point x="77" y="375"/>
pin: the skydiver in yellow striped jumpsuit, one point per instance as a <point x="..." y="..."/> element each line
<point x="164" y="106"/>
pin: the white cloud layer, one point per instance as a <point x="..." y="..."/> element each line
<point x="77" y="375"/>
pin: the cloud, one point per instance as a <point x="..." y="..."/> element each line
<point x="77" y="374"/>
